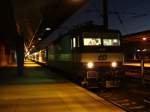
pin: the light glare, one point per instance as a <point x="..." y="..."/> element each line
<point x="47" y="29"/>
<point x="114" y="64"/>
<point x="144" y="38"/>
<point x="90" y="65"/>
<point x="138" y="50"/>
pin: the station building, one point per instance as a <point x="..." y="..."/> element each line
<point x="137" y="46"/>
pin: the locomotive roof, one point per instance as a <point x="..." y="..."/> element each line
<point x="88" y="27"/>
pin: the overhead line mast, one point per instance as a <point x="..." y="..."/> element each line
<point x="105" y="14"/>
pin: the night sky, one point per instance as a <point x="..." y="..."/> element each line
<point x="129" y="16"/>
<point x="134" y="15"/>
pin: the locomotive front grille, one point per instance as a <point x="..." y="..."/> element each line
<point x="92" y="74"/>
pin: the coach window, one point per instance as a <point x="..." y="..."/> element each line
<point x="91" y="41"/>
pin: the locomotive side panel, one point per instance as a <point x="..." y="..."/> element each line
<point x="60" y="57"/>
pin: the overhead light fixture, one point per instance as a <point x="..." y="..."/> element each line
<point x="47" y="29"/>
<point x="39" y="38"/>
<point x="138" y="50"/>
<point x="33" y="46"/>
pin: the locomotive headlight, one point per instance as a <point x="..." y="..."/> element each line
<point x="90" y="65"/>
<point x="114" y="64"/>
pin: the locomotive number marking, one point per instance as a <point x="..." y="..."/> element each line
<point x="102" y="57"/>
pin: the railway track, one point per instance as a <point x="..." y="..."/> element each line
<point x="130" y="103"/>
<point x="132" y="96"/>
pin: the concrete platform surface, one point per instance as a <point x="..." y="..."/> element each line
<point x="53" y="95"/>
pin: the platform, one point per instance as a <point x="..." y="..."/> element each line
<point x="137" y="64"/>
<point x="41" y="90"/>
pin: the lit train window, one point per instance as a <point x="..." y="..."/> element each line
<point x="111" y="42"/>
<point x="74" y="42"/>
<point x="91" y="41"/>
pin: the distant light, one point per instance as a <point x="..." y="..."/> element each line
<point x="138" y="50"/>
<point x="36" y="53"/>
<point x="114" y="64"/>
<point x="115" y="40"/>
<point x="144" y="50"/>
<point x="39" y="38"/>
<point x="47" y="29"/>
<point x="144" y="38"/>
<point x="28" y="53"/>
<point x="33" y="46"/>
<point x="90" y="65"/>
<point x="75" y="2"/>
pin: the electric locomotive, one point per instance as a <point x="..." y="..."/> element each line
<point x="91" y="56"/>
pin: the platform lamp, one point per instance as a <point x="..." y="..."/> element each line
<point x="142" y="61"/>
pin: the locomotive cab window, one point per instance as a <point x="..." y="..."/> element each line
<point x="74" y="42"/>
<point x="111" y="42"/>
<point x="91" y="41"/>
